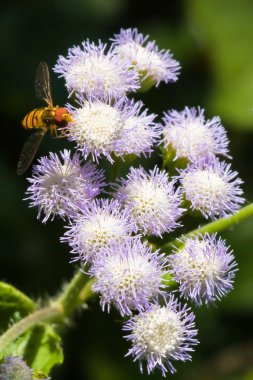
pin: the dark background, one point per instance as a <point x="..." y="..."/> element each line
<point x="212" y="39"/>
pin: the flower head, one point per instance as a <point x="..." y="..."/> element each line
<point x="128" y="275"/>
<point x="103" y="129"/>
<point x="100" y="224"/>
<point x="192" y="137"/>
<point x="60" y="185"/>
<point x="212" y="188"/>
<point x="204" y="268"/>
<point x="139" y="132"/>
<point x="92" y="71"/>
<point x="152" y="64"/>
<point x="162" y="334"/>
<point x="14" y="368"/>
<point x="152" y="200"/>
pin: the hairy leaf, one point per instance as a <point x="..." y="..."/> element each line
<point x="14" y="305"/>
<point x="40" y="347"/>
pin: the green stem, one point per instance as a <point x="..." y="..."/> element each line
<point x="73" y="296"/>
<point x="216" y="226"/>
<point x="75" y="293"/>
<point x="51" y="313"/>
<point x="79" y="289"/>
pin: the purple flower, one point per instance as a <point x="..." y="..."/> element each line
<point x="192" y="137"/>
<point x="152" y="199"/>
<point x="212" y="188"/>
<point x="204" y="267"/>
<point x="102" y="129"/>
<point x="162" y="334"/>
<point x="139" y="132"/>
<point x="101" y="223"/>
<point x="92" y="71"/>
<point x="153" y="65"/>
<point x="14" y="368"/>
<point x="128" y="275"/>
<point x="61" y="186"/>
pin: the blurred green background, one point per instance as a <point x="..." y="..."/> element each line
<point x="213" y="40"/>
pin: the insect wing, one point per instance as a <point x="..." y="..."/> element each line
<point x="43" y="84"/>
<point x="29" y="150"/>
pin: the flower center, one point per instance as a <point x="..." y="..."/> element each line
<point x="202" y="266"/>
<point x="96" y="125"/>
<point x="190" y="139"/>
<point x="101" y="229"/>
<point x="210" y="192"/>
<point x="144" y="59"/>
<point x="62" y="181"/>
<point x="93" y="72"/>
<point x="146" y="197"/>
<point x="160" y="332"/>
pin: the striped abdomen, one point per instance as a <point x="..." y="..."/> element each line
<point x="33" y="119"/>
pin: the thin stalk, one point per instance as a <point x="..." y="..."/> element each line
<point x="75" y="293"/>
<point x="51" y="313"/>
<point x="73" y="296"/>
<point x="216" y="226"/>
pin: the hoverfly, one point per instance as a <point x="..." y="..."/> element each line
<point x="42" y="119"/>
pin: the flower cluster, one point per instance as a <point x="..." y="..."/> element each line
<point x="152" y="200"/>
<point x="161" y="334"/>
<point x="112" y="236"/>
<point x="115" y="128"/>
<point x="218" y="192"/>
<point x="128" y="275"/>
<point x="62" y="185"/>
<point x="152" y="64"/>
<point x="191" y="137"/>
<point x="204" y="267"/>
<point x="15" y="368"/>
<point x="92" y="70"/>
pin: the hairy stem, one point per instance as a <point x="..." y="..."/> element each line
<point x="51" y="313"/>
<point x="79" y="290"/>
<point x="73" y="296"/>
<point x="75" y="293"/>
<point x="216" y="226"/>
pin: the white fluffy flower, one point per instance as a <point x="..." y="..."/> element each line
<point x="100" y="224"/>
<point x="153" y="65"/>
<point x="191" y="136"/>
<point x="91" y="71"/>
<point x="152" y="200"/>
<point x="162" y="334"/>
<point x="212" y="188"/>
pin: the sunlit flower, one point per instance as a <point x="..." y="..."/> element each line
<point x="212" y="188"/>
<point x="204" y="268"/>
<point x="152" y="199"/>
<point x="60" y="185"/>
<point x="128" y="275"/>
<point x="92" y="71"/>
<point x="162" y="334"/>
<point x="139" y="132"/>
<point x="191" y="136"/>
<point x="101" y="223"/>
<point x="153" y="65"/>
<point x="104" y="129"/>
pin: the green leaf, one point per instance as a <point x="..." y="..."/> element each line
<point x="168" y="280"/>
<point x="40" y="347"/>
<point x="224" y="30"/>
<point x="14" y="305"/>
<point x="37" y="375"/>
